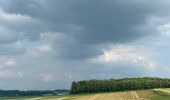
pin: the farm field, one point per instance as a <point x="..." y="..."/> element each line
<point x="131" y="95"/>
<point x="155" y="94"/>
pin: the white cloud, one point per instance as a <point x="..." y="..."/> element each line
<point x="164" y="29"/>
<point x="126" y="55"/>
<point x="44" y="48"/>
<point x="7" y="62"/>
<point x="10" y="62"/>
<point x="159" y="24"/>
<point x="40" y="50"/>
<point x="15" y="18"/>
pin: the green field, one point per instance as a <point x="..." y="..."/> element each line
<point x="155" y="94"/>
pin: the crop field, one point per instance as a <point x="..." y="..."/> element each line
<point x="131" y="95"/>
<point x="155" y="94"/>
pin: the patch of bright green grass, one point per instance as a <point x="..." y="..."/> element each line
<point x="159" y="97"/>
<point x="162" y="94"/>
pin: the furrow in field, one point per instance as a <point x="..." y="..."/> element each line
<point x="133" y="94"/>
<point x="137" y="97"/>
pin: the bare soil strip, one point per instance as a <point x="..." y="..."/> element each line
<point x="33" y="99"/>
<point x="137" y="97"/>
<point x="133" y="94"/>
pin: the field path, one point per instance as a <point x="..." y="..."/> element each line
<point x="134" y="95"/>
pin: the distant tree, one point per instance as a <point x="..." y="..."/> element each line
<point x="73" y="87"/>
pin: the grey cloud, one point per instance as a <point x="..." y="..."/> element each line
<point x="7" y="35"/>
<point x="90" y="22"/>
<point x="77" y="51"/>
<point x="102" y="21"/>
<point x="96" y="22"/>
<point x="11" y="49"/>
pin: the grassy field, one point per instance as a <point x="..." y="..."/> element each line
<point x="162" y="94"/>
<point x="155" y="94"/>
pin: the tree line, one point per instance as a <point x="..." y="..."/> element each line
<point x="93" y="86"/>
<point x="10" y="93"/>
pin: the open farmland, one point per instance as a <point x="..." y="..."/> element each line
<point x="162" y="94"/>
<point x="155" y="94"/>
<point x="130" y="95"/>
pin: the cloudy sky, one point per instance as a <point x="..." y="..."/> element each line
<point x="46" y="44"/>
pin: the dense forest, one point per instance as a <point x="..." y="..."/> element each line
<point x="92" y="86"/>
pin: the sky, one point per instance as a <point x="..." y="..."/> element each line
<point x="47" y="44"/>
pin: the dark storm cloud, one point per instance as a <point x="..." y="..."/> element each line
<point x="89" y="22"/>
<point x="101" y="20"/>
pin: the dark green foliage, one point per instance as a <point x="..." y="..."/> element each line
<point x="92" y="86"/>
